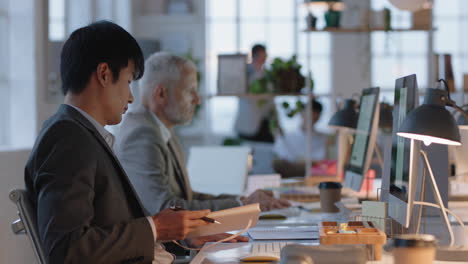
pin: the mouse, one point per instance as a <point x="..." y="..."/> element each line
<point x="264" y="257"/>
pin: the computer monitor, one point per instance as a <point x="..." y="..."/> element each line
<point x="218" y="169"/>
<point x="405" y="154"/>
<point x="364" y="139"/>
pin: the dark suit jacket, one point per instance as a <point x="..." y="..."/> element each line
<point x="87" y="211"/>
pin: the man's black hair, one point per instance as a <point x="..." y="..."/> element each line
<point x="99" y="42"/>
<point x="257" y="48"/>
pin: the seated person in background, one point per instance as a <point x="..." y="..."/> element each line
<point x="290" y="147"/>
<point x="87" y="210"/>
<point x="149" y="150"/>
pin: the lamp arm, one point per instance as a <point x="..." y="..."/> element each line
<point x="459" y="109"/>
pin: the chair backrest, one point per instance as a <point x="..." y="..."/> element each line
<point x="27" y="222"/>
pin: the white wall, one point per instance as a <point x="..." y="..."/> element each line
<point x="13" y="249"/>
<point x="29" y="93"/>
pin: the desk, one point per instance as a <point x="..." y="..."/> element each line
<point x="230" y="253"/>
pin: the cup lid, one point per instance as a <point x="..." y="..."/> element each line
<point x="330" y="185"/>
<point x="414" y="240"/>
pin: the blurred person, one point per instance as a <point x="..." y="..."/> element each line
<point x="253" y="115"/>
<point x="290" y="147"/>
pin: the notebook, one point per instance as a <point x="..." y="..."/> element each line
<point x="236" y="218"/>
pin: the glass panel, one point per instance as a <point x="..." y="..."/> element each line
<point x="446" y="37"/>
<point x="4" y="48"/>
<point x="56" y="31"/>
<point x="224" y="8"/>
<point x="281" y="8"/>
<point x="252" y="33"/>
<point x="385" y="70"/>
<point x="447" y="7"/>
<point x="56" y="19"/>
<point x="399" y="43"/>
<point x="223" y="113"/>
<point x="281" y="38"/>
<point x="4" y="112"/>
<point x="253" y="8"/>
<point x="320" y="43"/>
<point x="222" y="38"/>
<point x="320" y="66"/>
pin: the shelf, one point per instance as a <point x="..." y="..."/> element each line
<point x="365" y="30"/>
<point x="259" y="96"/>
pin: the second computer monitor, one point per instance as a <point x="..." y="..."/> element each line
<point x="364" y="139"/>
<point x="404" y="157"/>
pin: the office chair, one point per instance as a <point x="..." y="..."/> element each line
<point x="27" y="222"/>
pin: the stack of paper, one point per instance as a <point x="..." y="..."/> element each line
<point x="284" y="233"/>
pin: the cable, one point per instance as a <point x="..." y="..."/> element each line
<point x="446" y="88"/>
<point x="460" y="222"/>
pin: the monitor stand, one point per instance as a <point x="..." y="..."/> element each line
<point x="452" y="253"/>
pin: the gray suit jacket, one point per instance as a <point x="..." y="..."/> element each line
<point x="159" y="175"/>
<point x="87" y="211"/>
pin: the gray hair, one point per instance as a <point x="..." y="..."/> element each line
<point x="162" y="68"/>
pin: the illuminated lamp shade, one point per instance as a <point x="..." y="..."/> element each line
<point x="431" y="122"/>
<point x="410" y="5"/>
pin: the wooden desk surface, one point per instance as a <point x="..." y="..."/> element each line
<point x="230" y="253"/>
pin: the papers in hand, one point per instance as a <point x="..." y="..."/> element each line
<point x="236" y="218"/>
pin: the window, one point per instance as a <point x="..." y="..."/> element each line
<point x="4" y="71"/>
<point x="234" y="26"/>
<point x="18" y="80"/>
<point x="403" y="53"/>
<point x="56" y="20"/>
<point x="451" y="22"/>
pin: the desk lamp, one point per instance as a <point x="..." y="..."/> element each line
<point x="432" y="123"/>
<point x="346" y="117"/>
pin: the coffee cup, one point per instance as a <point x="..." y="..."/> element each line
<point x="414" y="248"/>
<point x="330" y="193"/>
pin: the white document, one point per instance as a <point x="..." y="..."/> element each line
<point x="284" y="233"/>
<point x="236" y="218"/>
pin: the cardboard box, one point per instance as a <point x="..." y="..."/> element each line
<point x="422" y="19"/>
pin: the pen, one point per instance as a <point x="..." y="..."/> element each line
<point x="204" y="218"/>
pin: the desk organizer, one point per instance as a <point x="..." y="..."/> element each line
<point x="351" y="233"/>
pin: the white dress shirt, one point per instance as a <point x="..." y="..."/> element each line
<point x="161" y="256"/>
<point x="292" y="146"/>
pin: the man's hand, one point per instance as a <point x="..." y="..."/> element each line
<point x="175" y="225"/>
<point x="266" y="200"/>
<point x="198" y="242"/>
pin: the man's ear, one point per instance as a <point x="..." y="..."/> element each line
<point x="159" y="93"/>
<point x="104" y="74"/>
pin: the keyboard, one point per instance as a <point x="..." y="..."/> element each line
<point x="268" y="248"/>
